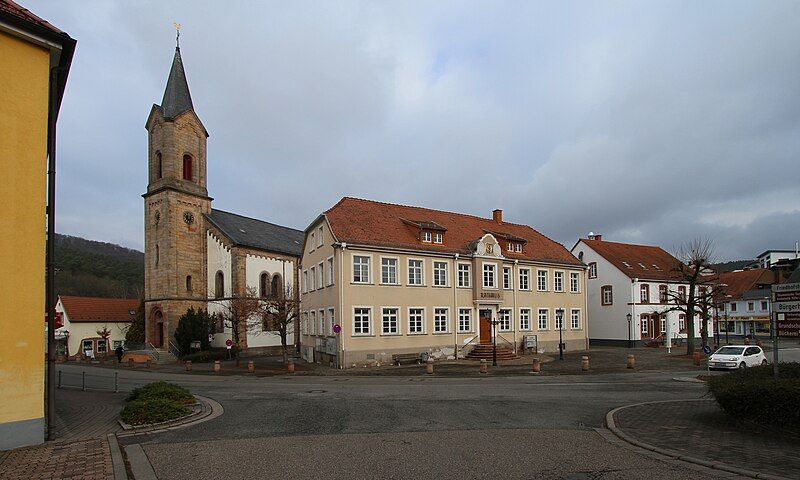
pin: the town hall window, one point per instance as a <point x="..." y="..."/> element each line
<point x="489" y="275"/>
<point x="440" y="274"/>
<point x="361" y="321"/>
<point x="187" y="167"/>
<point x="464" y="274"/>
<point x="360" y="269"/>
<point x="415" y="272"/>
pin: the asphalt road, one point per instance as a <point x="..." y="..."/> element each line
<point x="405" y="427"/>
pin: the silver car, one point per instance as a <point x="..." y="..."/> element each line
<point x="731" y="357"/>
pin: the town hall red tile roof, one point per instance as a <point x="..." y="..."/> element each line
<point x="95" y="309"/>
<point x="637" y="261"/>
<point x="368" y="222"/>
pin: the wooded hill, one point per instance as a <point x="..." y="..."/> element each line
<point x="97" y="269"/>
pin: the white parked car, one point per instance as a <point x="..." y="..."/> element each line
<point x="736" y="356"/>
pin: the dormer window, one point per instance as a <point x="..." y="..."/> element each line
<point x="510" y="247"/>
<point x="426" y="237"/>
<point x="437" y="238"/>
<point x="518" y="248"/>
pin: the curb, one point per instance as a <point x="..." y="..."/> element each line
<point x="116" y="458"/>
<point x="210" y="409"/>
<point x="612" y="425"/>
<point x="687" y="380"/>
<point x="141" y="469"/>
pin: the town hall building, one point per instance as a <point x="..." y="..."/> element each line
<point x="197" y="256"/>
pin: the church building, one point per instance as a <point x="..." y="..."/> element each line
<point x="197" y="256"/>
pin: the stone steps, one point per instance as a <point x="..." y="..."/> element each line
<point x="485" y="351"/>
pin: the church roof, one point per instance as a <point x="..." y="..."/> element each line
<point x="249" y="232"/>
<point x="176" y="96"/>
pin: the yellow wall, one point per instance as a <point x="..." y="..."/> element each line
<point x="24" y="70"/>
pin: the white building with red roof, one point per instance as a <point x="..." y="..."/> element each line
<point x="628" y="292"/>
<point x="92" y="326"/>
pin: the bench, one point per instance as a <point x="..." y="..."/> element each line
<point x="400" y="358"/>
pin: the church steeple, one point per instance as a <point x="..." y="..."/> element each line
<point x="177" y="98"/>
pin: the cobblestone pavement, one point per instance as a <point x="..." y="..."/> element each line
<point x="80" y="451"/>
<point x="700" y="429"/>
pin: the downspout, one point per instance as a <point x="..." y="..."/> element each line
<point x="585" y="307"/>
<point x="514" y="311"/>
<point x="50" y="295"/>
<point x="342" y="331"/>
<point x="633" y="309"/>
<point x="455" y="307"/>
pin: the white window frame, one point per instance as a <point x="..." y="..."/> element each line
<point x="368" y="332"/>
<point x="506" y="278"/>
<point x="312" y="321"/>
<point x="437" y="238"/>
<point x="421" y="272"/>
<point x="426" y="237"/>
<point x="576" y="276"/>
<point x="493" y="269"/>
<point x="592" y="269"/>
<point x="509" y="246"/>
<point x="332" y="316"/>
<point x="524" y="273"/>
<point x="505" y="317"/>
<point x="323" y="327"/>
<point x="572" y="313"/>
<point x="556" y="275"/>
<point x="305" y="281"/>
<point x="559" y="323"/>
<point x="603" y="290"/>
<point x="546" y="312"/>
<point x="313" y="242"/>
<point x="524" y="315"/>
<point x="643" y="325"/>
<point x="330" y="271"/>
<point x="313" y="272"/>
<point x="422" y="321"/>
<point x="369" y="269"/>
<point x="397" y="321"/>
<point x="320" y="237"/>
<point x="321" y="273"/>
<point x="446" y="276"/>
<point x="518" y="248"/>
<point x="541" y="281"/>
<point x="467" y="276"/>
<point x="465" y="315"/>
<point x="304" y="323"/>
<point x="396" y="270"/>
<point x="446" y="320"/>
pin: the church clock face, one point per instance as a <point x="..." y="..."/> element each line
<point x="188" y="217"/>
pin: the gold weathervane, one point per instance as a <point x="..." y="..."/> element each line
<point x="178" y="36"/>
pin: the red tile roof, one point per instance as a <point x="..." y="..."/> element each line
<point x="637" y="261"/>
<point x="94" y="309"/>
<point x="739" y="282"/>
<point x="367" y="222"/>
<point x="23" y="13"/>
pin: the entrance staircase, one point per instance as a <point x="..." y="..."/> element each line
<point x="484" y="351"/>
<point x="163" y="356"/>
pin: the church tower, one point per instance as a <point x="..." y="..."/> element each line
<point x="174" y="208"/>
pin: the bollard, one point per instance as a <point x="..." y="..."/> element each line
<point x="290" y="366"/>
<point x="188" y="365"/>
<point x="130" y="363"/>
<point x="59" y="379"/>
<point x="116" y="382"/>
<point x="217" y="366"/>
<point x="585" y="363"/>
<point x="484" y="366"/>
<point x="149" y="362"/>
<point x="429" y="366"/>
<point x="537" y="365"/>
<point x="698" y="358"/>
<point x="631" y="361"/>
<point x="251" y="367"/>
<point x="83" y="381"/>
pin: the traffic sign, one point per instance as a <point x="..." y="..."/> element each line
<point x="786" y="307"/>
<point x="707" y="349"/>
<point x="229" y="343"/>
<point x="337" y="328"/>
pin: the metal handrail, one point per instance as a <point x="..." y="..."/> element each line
<point x="504" y="339"/>
<point x="154" y="351"/>
<point x="467" y="344"/>
<point x="173" y="349"/>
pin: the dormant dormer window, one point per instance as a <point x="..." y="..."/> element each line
<point x="437" y="238"/>
<point x="426" y="237"/>
<point x="518" y="248"/>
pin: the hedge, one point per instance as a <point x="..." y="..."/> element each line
<point x="753" y="394"/>
<point x="211" y="355"/>
<point x="153" y="410"/>
<point x="161" y="390"/>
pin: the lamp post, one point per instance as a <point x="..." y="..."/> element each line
<point x="630" y="317"/>
<point x="560" y="319"/>
<point x="727" y="324"/>
<point x="494" y="322"/>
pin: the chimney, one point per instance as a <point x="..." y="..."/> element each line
<point x="595" y="236"/>
<point x="497" y="215"/>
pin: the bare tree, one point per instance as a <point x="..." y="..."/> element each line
<point x="692" y="268"/>
<point x="237" y="313"/>
<point x="280" y="313"/>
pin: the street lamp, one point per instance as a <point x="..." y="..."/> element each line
<point x="560" y="319"/>
<point x="494" y="322"/>
<point x="630" y="317"/>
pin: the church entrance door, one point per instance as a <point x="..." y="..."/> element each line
<point x="158" y="320"/>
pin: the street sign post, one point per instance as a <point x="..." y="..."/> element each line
<point x="785" y="316"/>
<point x="229" y="345"/>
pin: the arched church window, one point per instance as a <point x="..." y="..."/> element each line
<point x="219" y="285"/>
<point x="187" y="167"/>
<point x="277" y="286"/>
<point x="156" y="255"/>
<point x="159" y="168"/>
<point x="188" y="283"/>
<point x="263" y="285"/>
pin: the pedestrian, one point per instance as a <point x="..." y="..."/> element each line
<point x="119" y="351"/>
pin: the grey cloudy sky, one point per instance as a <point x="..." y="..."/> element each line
<point x="651" y="122"/>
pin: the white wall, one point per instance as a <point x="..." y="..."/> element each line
<point x="219" y="259"/>
<point x="84" y="330"/>
<point x="254" y="267"/>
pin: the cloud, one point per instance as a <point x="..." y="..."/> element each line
<point x="651" y="122"/>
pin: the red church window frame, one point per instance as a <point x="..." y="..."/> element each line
<point x="187" y="167"/>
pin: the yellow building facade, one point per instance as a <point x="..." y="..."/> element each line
<point x="29" y="48"/>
